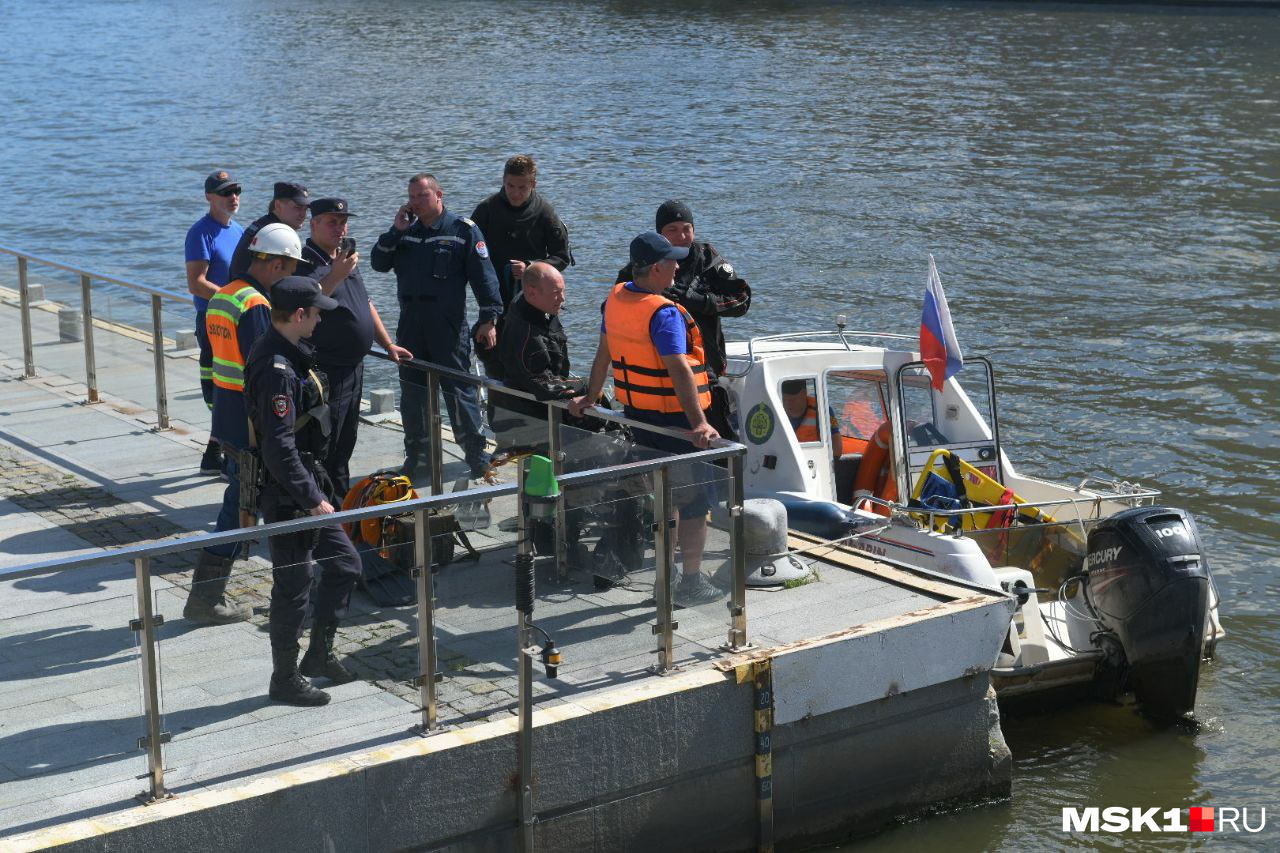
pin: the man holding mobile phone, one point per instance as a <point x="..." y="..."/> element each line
<point x="436" y="255"/>
<point x="347" y="330"/>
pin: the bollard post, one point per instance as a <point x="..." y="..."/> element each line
<point x="157" y="351"/>
<point x="426" y="619"/>
<point x="24" y="296"/>
<point x="90" y="366"/>
<point x="738" y="556"/>
<point x="434" y="426"/>
<point x="145" y="626"/>
<point x="662" y="587"/>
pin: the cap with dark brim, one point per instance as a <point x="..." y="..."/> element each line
<point x="297" y="291"/>
<point x="290" y="191"/>
<point x="330" y="205"/>
<point x="219" y="180"/>
<point x="651" y="247"/>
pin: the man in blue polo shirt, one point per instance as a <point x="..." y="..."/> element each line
<point x="211" y="242"/>
<point x="343" y="337"/>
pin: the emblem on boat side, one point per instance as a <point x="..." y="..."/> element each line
<point x="759" y="423"/>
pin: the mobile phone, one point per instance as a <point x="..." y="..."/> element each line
<point x="347" y="245"/>
<point x="409" y="215"/>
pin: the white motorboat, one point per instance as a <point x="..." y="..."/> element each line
<point x="1114" y="590"/>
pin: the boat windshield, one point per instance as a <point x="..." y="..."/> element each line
<point x="858" y="399"/>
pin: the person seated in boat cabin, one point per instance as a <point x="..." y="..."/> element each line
<point x="800" y="402"/>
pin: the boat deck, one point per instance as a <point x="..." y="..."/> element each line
<point x="78" y="478"/>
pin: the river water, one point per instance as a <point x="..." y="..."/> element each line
<point x="1100" y="186"/>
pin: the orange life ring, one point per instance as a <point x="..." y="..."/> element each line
<point x="875" y="472"/>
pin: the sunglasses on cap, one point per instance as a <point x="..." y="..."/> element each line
<point x="229" y="191"/>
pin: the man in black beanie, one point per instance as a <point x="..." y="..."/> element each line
<point x="707" y="286"/>
<point x="288" y="205"/>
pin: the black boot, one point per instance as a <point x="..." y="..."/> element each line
<point x="320" y="661"/>
<point x="287" y="684"/>
<point x="211" y="461"/>
<point x="206" y="602"/>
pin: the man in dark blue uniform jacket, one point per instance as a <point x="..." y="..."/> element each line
<point x="288" y="412"/>
<point x="345" y="333"/>
<point x="435" y="255"/>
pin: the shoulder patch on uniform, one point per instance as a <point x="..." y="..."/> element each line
<point x="726" y="269"/>
<point x="481" y="249"/>
<point x="470" y="222"/>
<point x="279" y="362"/>
<point x="280" y="405"/>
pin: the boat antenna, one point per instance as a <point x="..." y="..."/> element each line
<point x="841" y="321"/>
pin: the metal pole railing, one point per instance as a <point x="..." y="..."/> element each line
<point x="145" y="626"/>
<point x="426" y="619"/>
<point x="157" y="351"/>
<point x="524" y="662"/>
<point x="738" y="555"/>
<point x="554" y="416"/>
<point x="662" y="588"/>
<point x="24" y="299"/>
<point x="433" y="428"/>
<point x="90" y="365"/>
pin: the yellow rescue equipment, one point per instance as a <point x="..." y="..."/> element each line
<point x="950" y="478"/>
<point x="382" y="487"/>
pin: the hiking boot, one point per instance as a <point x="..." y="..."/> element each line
<point x="320" y="661"/>
<point x="694" y="589"/>
<point x="206" y="602"/>
<point x="287" y="684"/>
<point x="211" y="462"/>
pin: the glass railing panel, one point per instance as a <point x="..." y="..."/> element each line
<point x="69" y="696"/>
<point x="475" y="620"/>
<point x="702" y="578"/>
<point x="215" y="678"/>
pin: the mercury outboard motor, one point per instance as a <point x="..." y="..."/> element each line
<point x="1149" y="586"/>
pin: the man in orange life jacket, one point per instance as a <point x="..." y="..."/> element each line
<point x="238" y="314"/>
<point x="802" y="409"/>
<point x="660" y="375"/>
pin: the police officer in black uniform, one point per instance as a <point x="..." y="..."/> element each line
<point x="287" y="410"/>
<point x="288" y="205"/>
<point x="344" y="335"/>
<point x="707" y="286"/>
<point x="435" y="255"/>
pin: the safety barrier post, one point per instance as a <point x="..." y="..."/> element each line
<point x="90" y="366"/>
<point x="24" y="297"/>
<point x="157" y="352"/>
<point x="524" y="740"/>
<point x="145" y="626"/>
<point x="662" y="588"/>
<point x="426" y="619"/>
<point x="433" y="426"/>
<point x="738" y="556"/>
<point x="554" y="418"/>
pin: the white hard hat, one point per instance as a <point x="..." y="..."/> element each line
<point x="277" y="239"/>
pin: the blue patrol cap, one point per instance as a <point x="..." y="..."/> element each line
<point x="219" y="180"/>
<point x="651" y="247"/>
<point x="297" y="291"/>
<point x="330" y="205"/>
<point x="295" y="193"/>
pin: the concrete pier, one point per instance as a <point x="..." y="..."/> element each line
<point x="878" y="675"/>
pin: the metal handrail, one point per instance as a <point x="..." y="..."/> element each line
<point x="86" y="310"/>
<point x="145" y="288"/>
<point x="840" y="334"/>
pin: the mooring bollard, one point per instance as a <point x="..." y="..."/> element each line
<point x="35" y="293"/>
<point x="382" y="401"/>
<point x="70" y="326"/>
<point x="185" y="340"/>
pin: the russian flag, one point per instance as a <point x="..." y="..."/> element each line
<point x="939" y="349"/>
